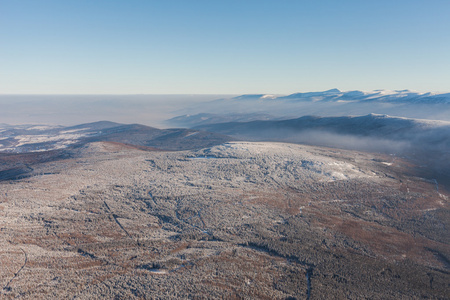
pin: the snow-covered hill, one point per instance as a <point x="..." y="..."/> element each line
<point x="425" y="141"/>
<point x="36" y="138"/>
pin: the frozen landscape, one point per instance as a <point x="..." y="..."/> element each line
<point x="277" y="150"/>
<point x="244" y="210"/>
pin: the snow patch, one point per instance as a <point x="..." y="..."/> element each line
<point x="42" y="127"/>
<point x="190" y="134"/>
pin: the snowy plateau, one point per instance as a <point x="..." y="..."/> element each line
<point x="237" y="220"/>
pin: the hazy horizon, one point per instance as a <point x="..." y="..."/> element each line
<point x="151" y="110"/>
<point x="155" y="110"/>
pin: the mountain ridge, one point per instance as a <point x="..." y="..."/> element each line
<point x="36" y="138"/>
<point x="356" y="95"/>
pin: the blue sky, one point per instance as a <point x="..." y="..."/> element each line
<point x="222" y="47"/>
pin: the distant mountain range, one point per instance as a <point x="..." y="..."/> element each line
<point x="335" y="95"/>
<point x="402" y="103"/>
